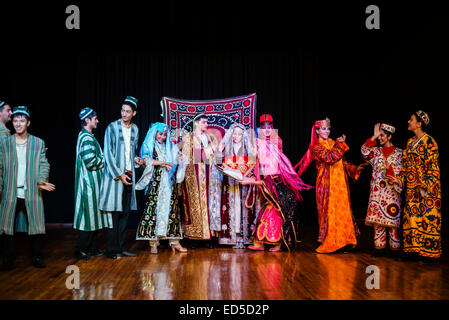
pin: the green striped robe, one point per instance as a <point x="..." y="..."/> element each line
<point x="4" y="132"/>
<point x="37" y="170"/>
<point x="88" y="175"/>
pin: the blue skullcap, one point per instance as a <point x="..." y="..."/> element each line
<point x="131" y="100"/>
<point x="87" y="112"/>
<point x="21" y="110"/>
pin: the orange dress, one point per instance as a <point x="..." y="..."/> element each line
<point x="337" y="224"/>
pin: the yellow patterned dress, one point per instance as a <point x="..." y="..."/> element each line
<point x="422" y="214"/>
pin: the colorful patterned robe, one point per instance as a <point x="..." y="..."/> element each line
<point x="336" y="221"/>
<point x="38" y="169"/>
<point x="88" y="177"/>
<point x="111" y="192"/>
<point x="161" y="216"/>
<point x="234" y="213"/>
<point x="422" y="215"/>
<point x="201" y="188"/>
<point x="384" y="207"/>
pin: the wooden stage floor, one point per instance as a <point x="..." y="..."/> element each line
<point x="220" y="274"/>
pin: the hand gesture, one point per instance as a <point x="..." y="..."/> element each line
<point x="168" y="165"/>
<point x="393" y="180"/>
<point x="342" y="138"/>
<point x="376" y="130"/>
<point x="46" y="186"/>
<point x="422" y="191"/>
<point x="138" y="161"/>
<point x="246" y="181"/>
<point x="361" y="166"/>
<point x="126" y="180"/>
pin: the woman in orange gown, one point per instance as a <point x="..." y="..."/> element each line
<point x="337" y="225"/>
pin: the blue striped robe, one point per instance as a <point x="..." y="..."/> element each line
<point x="111" y="192"/>
<point x="37" y="170"/>
<point x="88" y="177"/>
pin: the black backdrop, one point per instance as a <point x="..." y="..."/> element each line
<point x="304" y="63"/>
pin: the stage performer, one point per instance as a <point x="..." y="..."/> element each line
<point x="420" y="178"/>
<point x="199" y="175"/>
<point x="5" y="117"/>
<point x="118" y="194"/>
<point x="161" y="216"/>
<point x="24" y="172"/>
<point x="384" y="207"/>
<point x="277" y="186"/>
<point x="337" y="226"/>
<point x="89" y="167"/>
<point x="237" y="220"/>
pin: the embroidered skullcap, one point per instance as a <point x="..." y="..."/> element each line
<point x="131" y="100"/>
<point x="87" y="112"/>
<point x="424" y="116"/>
<point x="21" y="110"/>
<point x="387" y="127"/>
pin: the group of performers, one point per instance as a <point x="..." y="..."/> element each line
<point x="241" y="191"/>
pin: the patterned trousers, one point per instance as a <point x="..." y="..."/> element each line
<point x="380" y="238"/>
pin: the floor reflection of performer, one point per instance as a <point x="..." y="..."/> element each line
<point x="339" y="277"/>
<point x="336" y="221"/>
<point x="278" y="189"/>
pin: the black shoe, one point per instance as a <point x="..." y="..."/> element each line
<point x="111" y="255"/>
<point x="38" y="263"/>
<point x="379" y="253"/>
<point x="193" y="245"/>
<point x="128" y="254"/>
<point x="82" y="255"/>
<point x="97" y="253"/>
<point x="348" y="249"/>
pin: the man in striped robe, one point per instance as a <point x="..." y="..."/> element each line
<point x="24" y="171"/>
<point x="5" y="117"/>
<point x="118" y="193"/>
<point x="88" y="175"/>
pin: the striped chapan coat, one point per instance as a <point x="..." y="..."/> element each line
<point x="4" y="132"/>
<point x="38" y="169"/>
<point x="111" y="193"/>
<point x="88" y="176"/>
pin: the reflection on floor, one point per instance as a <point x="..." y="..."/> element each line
<point x="221" y="273"/>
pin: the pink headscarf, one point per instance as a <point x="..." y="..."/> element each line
<point x="285" y="170"/>
<point x="307" y="158"/>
